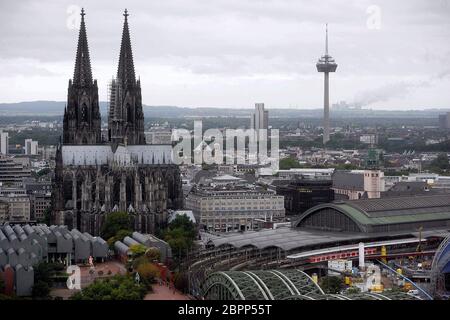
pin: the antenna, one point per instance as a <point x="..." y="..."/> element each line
<point x="326" y="39"/>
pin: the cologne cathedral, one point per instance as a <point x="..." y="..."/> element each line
<point x="97" y="175"/>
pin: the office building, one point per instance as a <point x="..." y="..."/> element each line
<point x="31" y="147"/>
<point x="302" y="194"/>
<point x="39" y="205"/>
<point x="234" y="208"/>
<point x="158" y="136"/>
<point x="19" y="207"/>
<point x="12" y="172"/>
<point x="444" y="121"/>
<point x="4" y="142"/>
<point x="259" y="118"/>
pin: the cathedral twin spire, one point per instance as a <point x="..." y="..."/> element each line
<point x="82" y="75"/>
<point x="82" y="123"/>
<point x="125" y="71"/>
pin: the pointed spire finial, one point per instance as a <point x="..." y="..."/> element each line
<point x="125" y="72"/>
<point x="82" y="73"/>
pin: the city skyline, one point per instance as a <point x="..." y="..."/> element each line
<point x="232" y="55"/>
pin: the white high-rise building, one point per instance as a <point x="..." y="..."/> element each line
<point x="31" y="147"/>
<point x="260" y="118"/>
<point x="4" y="142"/>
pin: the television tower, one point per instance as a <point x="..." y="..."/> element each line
<point x="326" y="64"/>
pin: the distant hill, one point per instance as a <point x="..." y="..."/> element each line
<point x="56" y="108"/>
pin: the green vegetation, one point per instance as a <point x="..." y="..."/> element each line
<point x="143" y="262"/>
<point x="148" y="273"/>
<point x="115" y="222"/>
<point x="289" y="163"/>
<point x="47" y="216"/>
<point x="340" y="141"/>
<point x="137" y="250"/>
<point x="118" y="287"/>
<point x="391" y="172"/>
<point x="41" y="290"/>
<point x="180" y="235"/>
<point x="345" y="166"/>
<point x="44" y="136"/>
<point x="43" y="172"/>
<point x="331" y="284"/>
<point x="180" y="282"/>
<point x="353" y="290"/>
<point x="440" y="165"/>
<point x="153" y="254"/>
<point x="45" y="274"/>
<point x="119" y="236"/>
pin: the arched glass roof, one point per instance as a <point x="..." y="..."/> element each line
<point x="278" y="285"/>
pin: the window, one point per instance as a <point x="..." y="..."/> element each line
<point x="129" y="115"/>
<point x="84" y="113"/>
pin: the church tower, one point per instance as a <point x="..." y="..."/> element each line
<point x="126" y="118"/>
<point x="82" y="122"/>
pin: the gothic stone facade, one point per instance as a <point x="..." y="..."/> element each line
<point x="93" y="177"/>
<point x="144" y="191"/>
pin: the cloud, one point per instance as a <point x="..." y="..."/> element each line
<point x="253" y="49"/>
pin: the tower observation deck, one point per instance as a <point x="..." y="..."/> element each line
<point x="326" y="64"/>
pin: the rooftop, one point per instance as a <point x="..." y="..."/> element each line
<point x="383" y="215"/>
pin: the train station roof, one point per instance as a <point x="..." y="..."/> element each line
<point x="294" y="239"/>
<point x="381" y="215"/>
<point x="285" y="238"/>
<point x="292" y="284"/>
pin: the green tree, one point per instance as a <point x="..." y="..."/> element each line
<point x="47" y="216"/>
<point x="183" y="222"/>
<point x="153" y="254"/>
<point x="137" y="250"/>
<point x="178" y="241"/>
<point x="40" y="289"/>
<point x="440" y="164"/>
<point x="119" y="236"/>
<point x="353" y="290"/>
<point x="119" y="287"/>
<point x="331" y="284"/>
<point x="148" y="273"/>
<point x="43" y="272"/>
<point x="180" y="235"/>
<point x="43" y="172"/>
<point x="288" y="163"/>
<point x="181" y="282"/>
<point x="115" y="222"/>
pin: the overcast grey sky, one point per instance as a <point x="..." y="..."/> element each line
<point x="233" y="53"/>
